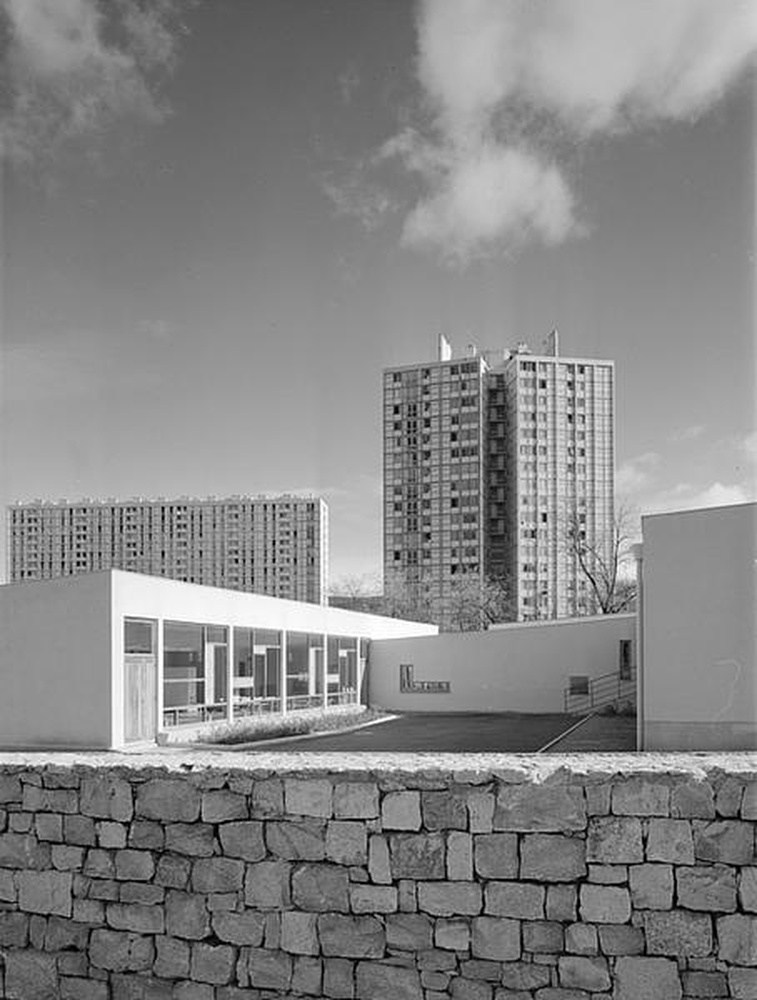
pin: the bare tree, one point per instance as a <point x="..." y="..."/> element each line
<point x="357" y="592"/>
<point x="605" y="562"/>
<point x="475" y="604"/>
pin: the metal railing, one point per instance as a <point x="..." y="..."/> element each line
<point x="601" y="692"/>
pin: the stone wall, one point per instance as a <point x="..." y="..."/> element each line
<point x="233" y="877"/>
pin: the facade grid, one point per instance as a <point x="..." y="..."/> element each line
<point x="490" y="463"/>
<point x="267" y="545"/>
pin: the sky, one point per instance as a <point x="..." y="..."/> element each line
<point x="220" y="221"/>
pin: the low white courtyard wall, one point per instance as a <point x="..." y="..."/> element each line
<point x="513" y="668"/>
<point x="699" y="689"/>
<point x="55" y="663"/>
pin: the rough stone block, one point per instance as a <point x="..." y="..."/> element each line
<point x="401" y="811"/>
<point x="678" y="933"/>
<point x="307" y="976"/>
<point x="8" y="892"/>
<point x="49" y="826"/>
<point x="186" y="916"/>
<point x="99" y="863"/>
<point x="217" y="875"/>
<point x="243" y="839"/>
<point x="545" y="807"/>
<point x="135" y="917"/>
<point x="141" y="892"/>
<point x="747" y="889"/>
<point x="111" y="835"/>
<point x="549" y="857"/>
<point x="79" y="830"/>
<point x="221" y="805"/>
<point x="168" y="800"/>
<point x="417" y="855"/>
<point x="598" y="798"/>
<point x="728" y="841"/>
<point x="267" y="798"/>
<point x="749" y="802"/>
<point x="356" y="800"/>
<point x="443" y="810"/>
<point x="373" y="899"/>
<point x="79" y="988"/>
<point x="30" y="975"/>
<point x="582" y="973"/>
<point x="57" y="800"/>
<point x="543" y="936"/>
<point x="267" y="885"/>
<point x="524" y="976"/>
<point x="737" y="939"/>
<point x="562" y="902"/>
<point x="308" y="797"/>
<point x="244" y="928"/>
<point x="195" y="840"/>
<point x="297" y="841"/>
<point x="646" y="979"/>
<point x="497" y="938"/>
<point x="459" y="856"/>
<point x="270" y="969"/>
<point x="520" y="900"/>
<point x="705" y="984"/>
<point x="45" y="892"/>
<point x="467" y="989"/>
<point x="376" y="981"/>
<point x="447" y="899"/>
<point x="581" y="939"/>
<point x="89" y="911"/>
<point x="707" y="887"/>
<point x="693" y="799"/>
<point x="670" y="840"/>
<point x="605" y="904"/>
<point x="639" y="796"/>
<point x="121" y="951"/>
<point x="614" y="840"/>
<point x="495" y="855"/>
<point x="379" y="866"/>
<point x="146" y="835"/>
<point x="106" y="797"/>
<point x="407" y="895"/>
<point x="608" y="874"/>
<point x="22" y="850"/>
<point x="299" y="933"/>
<point x="728" y="796"/>
<point x="171" y="958"/>
<point x="346" y="842"/>
<point x="321" y="888"/>
<point x="620" y="939"/>
<point x="134" y="866"/>
<point x="10" y="788"/>
<point x="172" y="871"/>
<point x="651" y="886"/>
<point x="480" y="812"/>
<point x="452" y="935"/>
<point x="351" y="936"/>
<point x="14" y="929"/>
<point x="743" y="984"/>
<point x="338" y="978"/>
<point x="411" y="931"/>
<point x="67" y="858"/>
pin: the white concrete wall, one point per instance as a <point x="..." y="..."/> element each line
<point x="55" y="654"/>
<point x="514" y="668"/>
<point x="699" y="683"/>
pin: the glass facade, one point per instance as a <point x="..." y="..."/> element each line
<point x="215" y="672"/>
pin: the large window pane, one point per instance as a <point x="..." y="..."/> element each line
<point x="139" y="636"/>
<point x="183" y="668"/>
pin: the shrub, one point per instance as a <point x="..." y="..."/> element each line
<point x="268" y="727"/>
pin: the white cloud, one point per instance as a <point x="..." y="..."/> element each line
<point x="685" y="496"/>
<point x="505" y="79"/>
<point x="748" y="446"/>
<point x="355" y="195"/>
<point x="63" y="76"/>
<point x="636" y="474"/>
<point x="686" y="433"/>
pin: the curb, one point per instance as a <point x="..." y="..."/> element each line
<point x="301" y="737"/>
<point x="568" y="731"/>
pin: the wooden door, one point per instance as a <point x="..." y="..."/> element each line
<point x="140" y="697"/>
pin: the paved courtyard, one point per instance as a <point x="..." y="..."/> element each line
<point x="465" y="733"/>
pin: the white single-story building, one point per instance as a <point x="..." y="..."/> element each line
<point x="106" y="659"/>
<point x="698" y="630"/>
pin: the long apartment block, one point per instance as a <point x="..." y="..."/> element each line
<point x="261" y="544"/>
<point x="490" y="460"/>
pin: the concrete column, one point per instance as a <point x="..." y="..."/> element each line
<point x="637" y="551"/>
